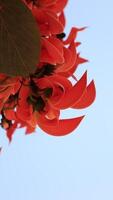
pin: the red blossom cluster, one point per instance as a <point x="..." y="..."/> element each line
<point x="38" y="99"/>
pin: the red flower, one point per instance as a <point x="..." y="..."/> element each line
<point x="37" y="100"/>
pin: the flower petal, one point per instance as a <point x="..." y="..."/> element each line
<point x="62" y="19"/>
<point x="64" y="127"/>
<point x="73" y="95"/>
<point x="10" y="131"/>
<point x="70" y="57"/>
<point x="71" y="70"/>
<point x="10" y="114"/>
<point x="73" y="34"/>
<point x="87" y="98"/>
<point x="50" y="51"/>
<point x="58" y="6"/>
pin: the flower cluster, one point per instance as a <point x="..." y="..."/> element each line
<point x="37" y="100"/>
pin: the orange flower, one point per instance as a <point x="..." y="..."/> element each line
<point x="37" y="100"/>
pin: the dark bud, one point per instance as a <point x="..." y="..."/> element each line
<point x="40" y="104"/>
<point x="46" y="70"/>
<point x="48" y="92"/>
<point x="61" y="35"/>
<point x="34" y="87"/>
<point x="37" y="102"/>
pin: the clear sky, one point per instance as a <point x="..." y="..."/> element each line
<point x="80" y="165"/>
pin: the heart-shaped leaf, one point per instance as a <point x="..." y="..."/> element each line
<point x="19" y="39"/>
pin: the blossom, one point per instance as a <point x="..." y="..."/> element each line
<point x="38" y="99"/>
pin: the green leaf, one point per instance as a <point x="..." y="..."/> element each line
<point x="19" y="39"/>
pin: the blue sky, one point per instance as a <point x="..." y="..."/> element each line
<point x="80" y="165"/>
